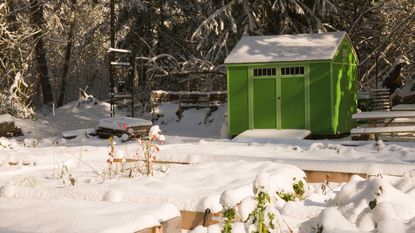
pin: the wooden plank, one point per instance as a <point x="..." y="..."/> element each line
<point x="383" y="115"/>
<point x="170" y="226"/>
<point x="397" y="138"/>
<point x="156" y="229"/>
<point x="198" y="98"/>
<point x="115" y="63"/>
<point x="122" y="96"/>
<point x="192" y="219"/>
<point x="402" y="121"/>
<point x="119" y="50"/>
<point x="389" y="129"/>
<point x="322" y="176"/>
<point x="130" y="160"/>
<point x="404" y="107"/>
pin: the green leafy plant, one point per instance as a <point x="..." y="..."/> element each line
<point x="286" y="196"/>
<point x="258" y="215"/>
<point x="372" y="204"/>
<point x="299" y="189"/>
<point x="298" y="192"/>
<point x="318" y="229"/>
<point x="229" y="214"/>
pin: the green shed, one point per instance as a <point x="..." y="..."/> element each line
<point x="300" y="81"/>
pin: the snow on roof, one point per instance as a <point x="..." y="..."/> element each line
<point x="276" y="48"/>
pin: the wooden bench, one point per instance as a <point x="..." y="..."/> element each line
<point x="384" y="122"/>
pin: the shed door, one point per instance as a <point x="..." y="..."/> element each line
<point x="264" y="103"/>
<point x="292" y="97"/>
<point x="278" y="98"/>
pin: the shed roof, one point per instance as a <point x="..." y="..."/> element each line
<point x="278" y="48"/>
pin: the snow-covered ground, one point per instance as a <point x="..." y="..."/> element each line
<point x="72" y="116"/>
<point x="201" y="123"/>
<point x="57" y="185"/>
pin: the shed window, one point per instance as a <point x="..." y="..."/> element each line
<point x="295" y="70"/>
<point x="264" y="72"/>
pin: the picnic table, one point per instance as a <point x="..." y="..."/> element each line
<point x="381" y="122"/>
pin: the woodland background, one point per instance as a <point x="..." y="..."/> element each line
<point x="51" y="48"/>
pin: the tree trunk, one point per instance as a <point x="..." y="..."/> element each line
<point x="67" y="56"/>
<point x="38" y="20"/>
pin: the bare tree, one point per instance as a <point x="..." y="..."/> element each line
<point x="36" y="9"/>
<point x="68" y="51"/>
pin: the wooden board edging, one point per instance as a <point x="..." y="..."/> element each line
<point x="192" y="219"/>
<point x="329" y="176"/>
<point x="170" y="226"/>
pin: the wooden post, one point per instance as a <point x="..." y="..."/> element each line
<point x="111" y="56"/>
<point x="132" y="75"/>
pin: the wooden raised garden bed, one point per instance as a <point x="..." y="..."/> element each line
<point x="133" y="127"/>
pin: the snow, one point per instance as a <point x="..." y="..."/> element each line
<point x="36" y="195"/>
<point x="392" y="159"/>
<point x="248" y="204"/>
<point x="267" y="135"/>
<point x="78" y="132"/>
<point x="331" y="221"/>
<point x="277" y="48"/>
<point x="68" y="215"/>
<point x="202" y="122"/>
<point x="6" y="118"/>
<point x="8" y="143"/>
<point x="72" y="116"/>
<point x="194" y="188"/>
<point x="122" y="123"/>
<point x="374" y="204"/>
<point x="77" y="115"/>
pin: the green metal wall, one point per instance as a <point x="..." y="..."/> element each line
<point x="237" y="100"/>
<point x="345" y="97"/>
<point x="345" y="74"/>
<point x="320" y="104"/>
<point x="345" y="53"/>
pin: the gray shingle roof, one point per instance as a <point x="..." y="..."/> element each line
<point x="278" y="48"/>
